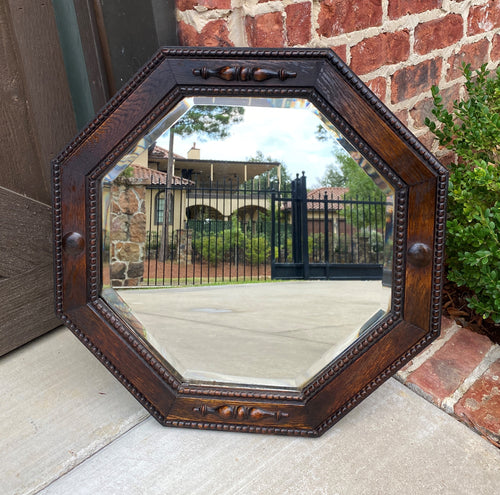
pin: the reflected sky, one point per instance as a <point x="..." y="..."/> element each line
<point x="297" y="146"/>
<point x="248" y="334"/>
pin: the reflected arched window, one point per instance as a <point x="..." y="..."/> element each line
<point x="159" y="207"/>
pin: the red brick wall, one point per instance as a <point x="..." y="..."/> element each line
<point x="400" y="48"/>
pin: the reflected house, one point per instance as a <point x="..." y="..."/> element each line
<point x="214" y="188"/>
<point x="210" y="187"/>
<point x="126" y="220"/>
<point x="154" y="201"/>
<point x="201" y="190"/>
<point x="320" y="212"/>
<point x="339" y="228"/>
<point x="356" y="227"/>
<point x="323" y="210"/>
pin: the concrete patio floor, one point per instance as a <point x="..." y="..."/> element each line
<point x="67" y="426"/>
<point x="272" y="334"/>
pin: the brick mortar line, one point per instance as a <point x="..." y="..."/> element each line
<point x="385" y="11"/>
<point x="443" y="53"/>
<point x="235" y="16"/>
<point x="420" y="391"/>
<point x="198" y="17"/>
<point x="421" y="358"/>
<point x="448" y="403"/>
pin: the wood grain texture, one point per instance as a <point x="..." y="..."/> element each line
<point x="361" y="372"/>
<point x="26" y="298"/>
<point x="37" y="106"/>
<point x="420" y="190"/>
<point x="17" y="139"/>
<point x="422" y="202"/>
<point x="26" y="270"/>
<point x="26" y="234"/>
<point x="37" y="120"/>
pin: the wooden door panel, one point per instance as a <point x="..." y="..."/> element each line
<point x="26" y="270"/>
<point x="37" y="121"/>
<point x="20" y="158"/>
<point x="25" y="226"/>
<point x="26" y="298"/>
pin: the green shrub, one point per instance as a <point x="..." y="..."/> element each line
<point x="218" y="247"/>
<point x="316" y="247"/>
<point x="152" y="241"/>
<point x="257" y="250"/>
<point x="374" y="239"/>
<point x="472" y="131"/>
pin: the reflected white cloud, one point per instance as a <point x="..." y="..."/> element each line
<point x="284" y="134"/>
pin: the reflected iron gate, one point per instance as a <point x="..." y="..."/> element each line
<point x="205" y="235"/>
<point x="226" y="233"/>
<point x="326" y="237"/>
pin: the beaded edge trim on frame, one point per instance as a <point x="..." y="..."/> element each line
<point x="323" y="426"/>
<point x="368" y="95"/>
<point x="342" y="361"/>
<point x="112" y="368"/>
<point x="362" y="91"/>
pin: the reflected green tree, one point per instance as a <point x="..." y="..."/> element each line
<point x="202" y="121"/>
<point x="276" y="178"/>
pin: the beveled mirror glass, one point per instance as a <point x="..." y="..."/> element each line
<point x="262" y="334"/>
<point x="197" y="260"/>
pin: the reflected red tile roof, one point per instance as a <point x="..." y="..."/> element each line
<point x="332" y="193"/>
<point x="157" y="177"/>
<point x="159" y="152"/>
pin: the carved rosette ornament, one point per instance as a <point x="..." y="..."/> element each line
<point x="419" y="184"/>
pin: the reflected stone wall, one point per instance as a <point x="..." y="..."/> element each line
<point x="127" y="231"/>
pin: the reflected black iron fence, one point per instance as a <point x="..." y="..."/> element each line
<point x="199" y="235"/>
<point x="228" y="234"/>
<point x="328" y="235"/>
<point x="338" y="230"/>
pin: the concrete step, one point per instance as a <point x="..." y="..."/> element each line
<point x="460" y="373"/>
<point x="67" y="426"/>
<point x="394" y="442"/>
<point x="59" y="406"/>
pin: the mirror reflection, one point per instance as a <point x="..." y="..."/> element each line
<point x="247" y="241"/>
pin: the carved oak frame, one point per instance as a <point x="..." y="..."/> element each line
<point x="420" y="184"/>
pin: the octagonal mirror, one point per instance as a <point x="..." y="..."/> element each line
<point x="222" y="229"/>
<point x="197" y="262"/>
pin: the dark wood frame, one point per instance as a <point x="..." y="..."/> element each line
<point x="320" y="76"/>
